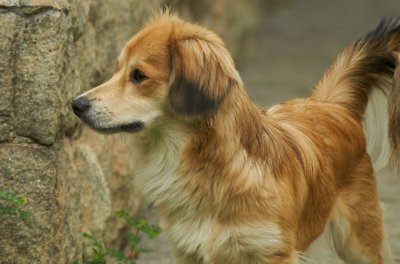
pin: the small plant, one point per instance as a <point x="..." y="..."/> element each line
<point x="100" y="252"/>
<point x="10" y="204"/>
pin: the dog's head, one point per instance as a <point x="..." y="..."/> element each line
<point x="170" y="68"/>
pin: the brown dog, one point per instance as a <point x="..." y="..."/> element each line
<point x="234" y="182"/>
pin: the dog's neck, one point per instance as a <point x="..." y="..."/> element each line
<point x="228" y="150"/>
<point x="201" y="156"/>
<point x="240" y="123"/>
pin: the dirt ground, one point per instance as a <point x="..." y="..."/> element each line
<point x="299" y="40"/>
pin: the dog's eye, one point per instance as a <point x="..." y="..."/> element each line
<point x="137" y="76"/>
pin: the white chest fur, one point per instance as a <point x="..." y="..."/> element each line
<point x="192" y="231"/>
<point x="157" y="178"/>
<point x="158" y="160"/>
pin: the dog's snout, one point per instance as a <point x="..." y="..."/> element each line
<point x="80" y="105"/>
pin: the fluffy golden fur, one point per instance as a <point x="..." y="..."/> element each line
<point x="238" y="183"/>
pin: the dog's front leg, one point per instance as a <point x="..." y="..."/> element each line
<point x="186" y="258"/>
<point x="255" y="258"/>
<point x="258" y="244"/>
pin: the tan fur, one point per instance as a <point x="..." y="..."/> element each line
<point x="234" y="182"/>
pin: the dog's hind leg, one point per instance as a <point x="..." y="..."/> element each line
<point x="356" y="226"/>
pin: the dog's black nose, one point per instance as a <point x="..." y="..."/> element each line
<point x="80" y="105"/>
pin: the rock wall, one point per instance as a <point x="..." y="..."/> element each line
<point x="51" y="51"/>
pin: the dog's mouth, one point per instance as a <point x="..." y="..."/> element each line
<point x="132" y="127"/>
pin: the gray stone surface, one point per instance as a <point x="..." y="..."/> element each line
<point x="38" y="56"/>
<point x="6" y="35"/>
<point x="95" y="195"/>
<point x="29" y="170"/>
<point x="68" y="238"/>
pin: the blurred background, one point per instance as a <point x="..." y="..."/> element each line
<point x="52" y="50"/>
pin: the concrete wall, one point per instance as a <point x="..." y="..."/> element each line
<point x="51" y="51"/>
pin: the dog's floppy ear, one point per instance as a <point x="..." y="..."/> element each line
<point x="202" y="73"/>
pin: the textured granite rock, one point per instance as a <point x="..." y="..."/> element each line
<point x="30" y="170"/>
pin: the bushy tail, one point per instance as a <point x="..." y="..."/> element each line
<point x="366" y="73"/>
<point x="394" y="114"/>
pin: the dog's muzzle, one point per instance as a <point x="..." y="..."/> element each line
<point x="81" y="107"/>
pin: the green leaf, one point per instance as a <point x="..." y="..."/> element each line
<point x="7" y="196"/>
<point x="140" y="223"/>
<point x="116" y="254"/>
<point x="100" y="252"/>
<point x="132" y="239"/>
<point x="90" y="237"/>
<point x="151" y="231"/>
<point x="18" y="201"/>
<point x="154" y="231"/>
<point x="99" y="258"/>
<point x="24" y="214"/>
<point x="11" y="204"/>
<point x="8" y="210"/>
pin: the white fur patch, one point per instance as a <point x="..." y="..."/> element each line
<point x="339" y="230"/>
<point x="192" y="235"/>
<point x="376" y="129"/>
<point x="303" y="258"/>
<point x="158" y="160"/>
<point x="250" y="242"/>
